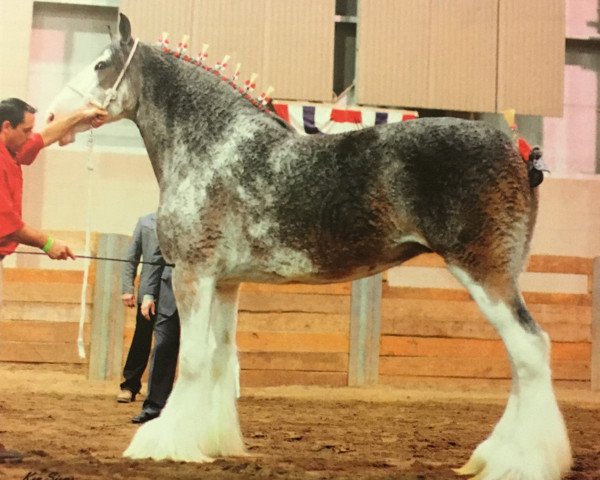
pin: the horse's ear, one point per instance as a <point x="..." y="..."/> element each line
<point x="125" y="30"/>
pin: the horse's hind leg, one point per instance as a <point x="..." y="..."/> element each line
<point x="530" y="441"/>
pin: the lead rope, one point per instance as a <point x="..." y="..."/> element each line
<point x="87" y="248"/>
<point x="110" y="96"/>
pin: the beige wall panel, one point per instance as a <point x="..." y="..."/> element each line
<point x="288" y="44"/>
<point x="298" y="54"/>
<point x="231" y="27"/>
<point x="149" y="18"/>
<point x="531" y="56"/>
<point x="393" y="52"/>
<point x="462" y="61"/>
<point x="568" y="221"/>
<point x="119" y="197"/>
<point x="15" y="24"/>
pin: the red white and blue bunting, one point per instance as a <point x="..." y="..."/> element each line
<point x="310" y="119"/>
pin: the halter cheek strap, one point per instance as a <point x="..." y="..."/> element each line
<point x="111" y="93"/>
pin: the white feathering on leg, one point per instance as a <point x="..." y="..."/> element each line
<point x="530" y="441"/>
<point x="200" y="418"/>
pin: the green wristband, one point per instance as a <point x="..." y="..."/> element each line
<point x="48" y="245"/>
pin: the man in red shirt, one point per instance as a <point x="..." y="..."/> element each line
<point x="19" y="145"/>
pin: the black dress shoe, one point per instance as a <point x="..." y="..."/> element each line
<point x="145" y="416"/>
<point x="9" y="456"/>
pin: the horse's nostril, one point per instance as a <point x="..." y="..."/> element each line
<point x="50" y="118"/>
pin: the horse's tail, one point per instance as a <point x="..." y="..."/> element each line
<point x="535" y="167"/>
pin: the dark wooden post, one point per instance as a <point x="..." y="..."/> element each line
<point x="108" y="317"/>
<point x="595" y="367"/>
<point x="365" y="327"/>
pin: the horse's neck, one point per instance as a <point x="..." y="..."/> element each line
<point x="184" y="110"/>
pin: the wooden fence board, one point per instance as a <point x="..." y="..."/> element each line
<point x="58" y="292"/>
<point x="43" y="311"/>
<point x="289" y="302"/>
<point x="40" y="352"/>
<point x="427" y="310"/>
<point x="273" y="378"/>
<point x="292" y="342"/>
<point x="536" y="263"/>
<point x="36" y="275"/>
<point x="444" y="367"/>
<point x="43" y="332"/>
<point x="480" y="367"/>
<point x="452" y="318"/>
<point x="444" y="294"/>
<point x="309" y="361"/>
<point x="468" y="348"/>
<point x="293" y="322"/>
<point x="560" y="264"/>
<point x="564" y="332"/>
<point x="298" y="288"/>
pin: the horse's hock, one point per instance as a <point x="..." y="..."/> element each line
<point x="422" y="324"/>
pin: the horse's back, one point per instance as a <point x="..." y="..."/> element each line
<point x="354" y="199"/>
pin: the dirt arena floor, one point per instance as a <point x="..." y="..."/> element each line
<point x="70" y="428"/>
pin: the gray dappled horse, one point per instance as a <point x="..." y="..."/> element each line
<point x="243" y="198"/>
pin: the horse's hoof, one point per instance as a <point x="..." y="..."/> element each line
<point x="472" y="467"/>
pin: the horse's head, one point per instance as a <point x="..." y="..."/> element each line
<point x="104" y="83"/>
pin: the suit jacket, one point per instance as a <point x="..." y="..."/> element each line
<point x="161" y="284"/>
<point x="155" y="279"/>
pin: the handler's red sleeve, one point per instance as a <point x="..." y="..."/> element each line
<point x="26" y="155"/>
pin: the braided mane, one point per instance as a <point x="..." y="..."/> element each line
<point x="263" y="102"/>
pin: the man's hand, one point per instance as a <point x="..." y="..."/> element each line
<point x="95" y="116"/>
<point x="60" y="251"/>
<point x="128" y="300"/>
<point x="63" y="129"/>
<point x="148" y="308"/>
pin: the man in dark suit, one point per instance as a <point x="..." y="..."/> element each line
<point x="157" y="313"/>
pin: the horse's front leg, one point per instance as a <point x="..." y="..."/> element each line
<point x="194" y="425"/>
<point x="223" y="431"/>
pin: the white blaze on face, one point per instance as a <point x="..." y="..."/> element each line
<point x="81" y="91"/>
<point x="74" y="96"/>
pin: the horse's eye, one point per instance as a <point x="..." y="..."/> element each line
<point x="100" y="66"/>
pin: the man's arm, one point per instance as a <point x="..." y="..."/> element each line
<point x="134" y="253"/>
<point x="150" y="281"/>
<point x="55" y="249"/>
<point x="57" y="129"/>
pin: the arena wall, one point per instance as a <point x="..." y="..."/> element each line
<point x="300" y="334"/>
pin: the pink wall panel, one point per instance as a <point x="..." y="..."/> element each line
<point x="582" y="18"/>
